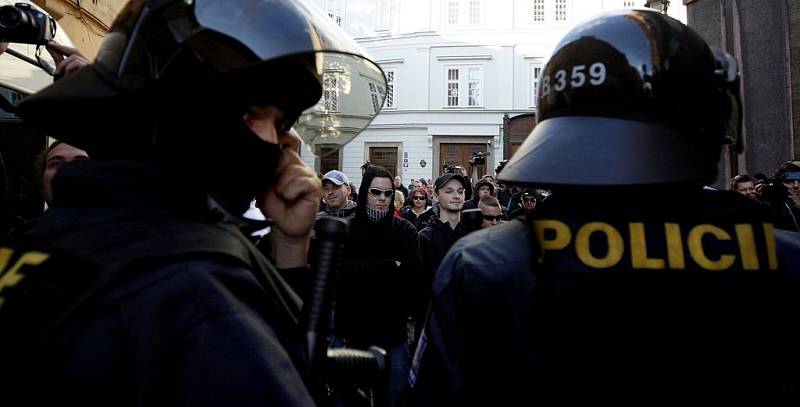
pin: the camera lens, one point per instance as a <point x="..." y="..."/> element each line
<point x="11" y="17"/>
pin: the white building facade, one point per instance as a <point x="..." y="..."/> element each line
<point x="454" y="69"/>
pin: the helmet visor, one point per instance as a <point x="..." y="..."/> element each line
<point x="354" y="87"/>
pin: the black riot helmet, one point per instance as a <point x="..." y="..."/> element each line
<point x="630" y="97"/>
<point x="178" y="60"/>
<point x="174" y="78"/>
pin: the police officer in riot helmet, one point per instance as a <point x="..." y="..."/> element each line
<point x="630" y="283"/>
<point x="139" y="288"/>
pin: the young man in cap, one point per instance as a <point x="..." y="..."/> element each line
<point x="442" y="231"/>
<point x="336" y="193"/>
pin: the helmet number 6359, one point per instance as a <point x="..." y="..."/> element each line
<point x="597" y="76"/>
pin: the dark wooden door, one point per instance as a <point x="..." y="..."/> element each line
<point x="385" y="157"/>
<point x="451" y="154"/>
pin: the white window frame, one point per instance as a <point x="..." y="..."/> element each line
<point x="474" y="12"/>
<point x="453" y="9"/>
<point x="391" y="88"/>
<point x="463" y="85"/>
<point x="566" y="9"/>
<point x="533" y="80"/>
<point x="532" y="11"/>
<point x="329" y="102"/>
<point x="549" y="11"/>
<point x="461" y="13"/>
<point x="374" y="97"/>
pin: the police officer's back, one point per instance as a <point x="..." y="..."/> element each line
<point x="138" y="287"/>
<point x="632" y="284"/>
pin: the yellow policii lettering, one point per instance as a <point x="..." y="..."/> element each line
<point x="675" y="255"/>
<point x="616" y="247"/>
<point x="560" y="240"/>
<point x="12" y="276"/>
<point x="695" y="242"/>
<point x="554" y="235"/>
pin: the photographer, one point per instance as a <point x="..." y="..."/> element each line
<point x="782" y="194"/>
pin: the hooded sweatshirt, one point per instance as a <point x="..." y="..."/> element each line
<point x="473" y="203"/>
<point x="379" y="281"/>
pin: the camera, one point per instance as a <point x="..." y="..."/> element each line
<point x="772" y="190"/>
<point x="478" y="158"/>
<point x="452" y="169"/>
<point x="22" y="23"/>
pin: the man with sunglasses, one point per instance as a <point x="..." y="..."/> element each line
<point x="491" y="210"/>
<point x="379" y="281"/>
<point x="632" y="285"/>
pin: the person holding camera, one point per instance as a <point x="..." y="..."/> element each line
<point x="658" y="293"/>
<point x="139" y="287"/>
<point x="783" y="194"/>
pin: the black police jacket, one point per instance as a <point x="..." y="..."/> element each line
<point x="687" y="295"/>
<point x="127" y="294"/>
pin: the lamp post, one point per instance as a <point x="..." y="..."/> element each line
<point x="658" y="5"/>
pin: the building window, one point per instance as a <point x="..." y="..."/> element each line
<point x="535" y="72"/>
<point x="628" y="4"/>
<point x="335" y="10"/>
<point x="452" y="12"/>
<point x="387" y="15"/>
<point x="330" y="92"/>
<point x="329" y="157"/>
<point x="460" y="78"/>
<point x="474" y="86"/>
<point x="537" y="10"/>
<point x="464" y="12"/>
<point x="561" y="10"/>
<point x="474" y="12"/>
<point x="452" y="87"/>
<point x="391" y="97"/>
<point x="376" y="94"/>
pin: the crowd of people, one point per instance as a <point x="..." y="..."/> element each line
<point x="780" y="192"/>
<point x="138" y="286"/>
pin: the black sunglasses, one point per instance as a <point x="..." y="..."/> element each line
<point x="419" y="198"/>
<point x="491" y="218"/>
<point x="377" y="192"/>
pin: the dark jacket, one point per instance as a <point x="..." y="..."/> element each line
<point x="434" y="242"/>
<point x="419" y="221"/>
<point x="404" y="190"/>
<point x="638" y="299"/>
<point x="166" y="304"/>
<point x="376" y="290"/>
<point x="473" y="203"/>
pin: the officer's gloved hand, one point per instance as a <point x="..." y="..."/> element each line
<point x="292" y="204"/>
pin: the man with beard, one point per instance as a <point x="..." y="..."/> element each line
<point x="336" y="192"/>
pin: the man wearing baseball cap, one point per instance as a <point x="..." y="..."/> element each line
<point x="442" y="231"/>
<point x="335" y="191"/>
